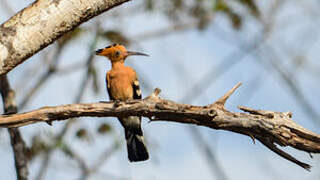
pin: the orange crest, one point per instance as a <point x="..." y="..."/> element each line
<point x="117" y="52"/>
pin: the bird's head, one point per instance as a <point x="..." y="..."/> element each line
<point x="117" y="52"/>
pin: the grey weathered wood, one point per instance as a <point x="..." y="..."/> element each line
<point x="268" y="127"/>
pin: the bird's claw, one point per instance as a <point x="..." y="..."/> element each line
<point x="117" y="103"/>
<point x="104" y="102"/>
<point x="253" y="139"/>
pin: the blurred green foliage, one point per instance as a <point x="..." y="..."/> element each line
<point x="104" y="128"/>
<point x="82" y="133"/>
<point x="115" y="36"/>
<point x="202" y="11"/>
<point x="37" y="147"/>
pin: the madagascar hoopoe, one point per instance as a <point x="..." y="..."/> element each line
<point x="122" y="84"/>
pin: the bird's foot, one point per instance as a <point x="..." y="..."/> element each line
<point x="104" y="101"/>
<point x="253" y="139"/>
<point x="116" y="103"/>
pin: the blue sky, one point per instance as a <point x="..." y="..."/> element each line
<point x="173" y="153"/>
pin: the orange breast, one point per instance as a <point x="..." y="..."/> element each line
<point x="121" y="84"/>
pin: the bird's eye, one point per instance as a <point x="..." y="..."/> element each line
<point x="117" y="53"/>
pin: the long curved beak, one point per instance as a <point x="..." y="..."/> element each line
<point x="131" y="53"/>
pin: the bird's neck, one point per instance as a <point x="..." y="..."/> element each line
<point x="117" y="65"/>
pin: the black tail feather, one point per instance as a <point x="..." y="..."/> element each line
<point x="137" y="150"/>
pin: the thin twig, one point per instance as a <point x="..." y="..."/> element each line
<point x="44" y="165"/>
<point x="211" y="157"/>
<point x="101" y="160"/>
<point x="217" y="71"/>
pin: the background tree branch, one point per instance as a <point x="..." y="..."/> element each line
<point x="269" y="127"/>
<point x="17" y="142"/>
<point x="23" y="35"/>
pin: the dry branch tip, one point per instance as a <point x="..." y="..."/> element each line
<point x="257" y="112"/>
<point x="154" y="94"/>
<point x="156" y="91"/>
<point x="283" y="154"/>
<point x="225" y="97"/>
<point x="252" y="138"/>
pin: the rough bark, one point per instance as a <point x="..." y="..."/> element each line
<point x="17" y="143"/>
<point x="38" y="25"/>
<point x="269" y="127"/>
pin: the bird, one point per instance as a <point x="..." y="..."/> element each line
<point x="122" y="84"/>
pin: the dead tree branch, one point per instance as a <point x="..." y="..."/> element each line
<point x="58" y="17"/>
<point x="269" y="127"/>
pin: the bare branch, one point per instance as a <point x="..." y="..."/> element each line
<point x="58" y="17"/>
<point x="270" y="130"/>
<point x="17" y="143"/>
